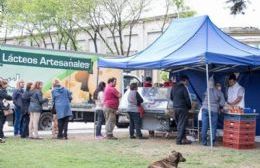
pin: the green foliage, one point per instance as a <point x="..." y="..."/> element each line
<point x="164" y="75"/>
<point x="237" y="6"/>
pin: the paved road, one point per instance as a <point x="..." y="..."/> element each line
<point x="74" y="128"/>
<point x="79" y="128"/>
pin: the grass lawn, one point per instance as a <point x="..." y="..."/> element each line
<point x="84" y="152"/>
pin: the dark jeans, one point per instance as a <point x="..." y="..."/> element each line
<point x="63" y="127"/>
<point x="181" y="118"/>
<point x="205" y="125"/>
<point x="135" y="124"/>
<point x="2" y="121"/>
<point x="17" y="121"/>
<point x="25" y="125"/>
<point x="100" y="121"/>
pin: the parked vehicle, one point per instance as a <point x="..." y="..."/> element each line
<point x="77" y="71"/>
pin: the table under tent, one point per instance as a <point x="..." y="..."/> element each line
<point x="197" y="47"/>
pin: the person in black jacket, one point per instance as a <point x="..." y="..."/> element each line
<point x="18" y="103"/>
<point x="26" y="96"/>
<point x="3" y="95"/>
<point x="181" y="105"/>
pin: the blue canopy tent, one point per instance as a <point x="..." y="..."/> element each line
<point x="189" y="42"/>
<point x="192" y="44"/>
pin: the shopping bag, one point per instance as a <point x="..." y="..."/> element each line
<point x="7" y="110"/>
<point x="141" y="111"/>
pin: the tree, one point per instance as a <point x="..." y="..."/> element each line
<point x="3" y="20"/>
<point x="237" y="6"/>
<point x="181" y="9"/>
<point x="84" y="11"/>
<point x="32" y="17"/>
<point x="119" y="17"/>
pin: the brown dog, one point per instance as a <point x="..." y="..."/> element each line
<point x="171" y="161"/>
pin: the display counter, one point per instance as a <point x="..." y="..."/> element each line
<point x="158" y="108"/>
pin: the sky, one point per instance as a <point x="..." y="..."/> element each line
<point x="218" y="12"/>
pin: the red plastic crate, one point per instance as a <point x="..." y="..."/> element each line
<point x="240" y="125"/>
<point x="236" y="140"/>
<point x="238" y="134"/>
<point x="238" y="146"/>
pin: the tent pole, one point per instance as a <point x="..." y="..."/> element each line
<point x="209" y="106"/>
<point x="95" y="112"/>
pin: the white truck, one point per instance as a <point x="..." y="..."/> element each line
<point x="77" y="71"/>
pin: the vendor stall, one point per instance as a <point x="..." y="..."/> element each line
<point x="194" y="44"/>
<point x="157" y="106"/>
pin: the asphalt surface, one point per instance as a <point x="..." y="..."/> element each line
<point x="79" y="128"/>
<point x="74" y="128"/>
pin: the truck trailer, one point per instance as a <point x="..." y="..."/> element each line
<point x="77" y="71"/>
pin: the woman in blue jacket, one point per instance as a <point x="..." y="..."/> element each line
<point x="61" y="98"/>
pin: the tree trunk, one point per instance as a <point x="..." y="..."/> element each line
<point x="95" y="42"/>
<point x="129" y="40"/>
<point x="50" y="36"/>
<point x="121" y="37"/>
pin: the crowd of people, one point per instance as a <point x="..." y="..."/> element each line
<point x="182" y="104"/>
<point x="28" y="106"/>
<point x="107" y="102"/>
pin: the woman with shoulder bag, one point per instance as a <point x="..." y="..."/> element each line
<point x="35" y="109"/>
<point x="3" y="96"/>
<point x="61" y="98"/>
<point x="26" y="98"/>
<point x="135" y="112"/>
<point x="99" y="100"/>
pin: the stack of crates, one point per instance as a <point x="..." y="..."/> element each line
<point x="239" y="131"/>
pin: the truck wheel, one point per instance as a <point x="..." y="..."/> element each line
<point x="45" y="121"/>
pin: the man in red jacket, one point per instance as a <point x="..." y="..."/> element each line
<point x="111" y="103"/>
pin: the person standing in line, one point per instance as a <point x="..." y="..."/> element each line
<point x="55" y="129"/>
<point x="134" y="100"/>
<point x="35" y="109"/>
<point x="99" y="100"/>
<point x="61" y="98"/>
<point x="217" y="101"/>
<point x="181" y="105"/>
<point x="3" y="95"/>
<point x="26" y="97"/>
<point x="111" y="103"/>
<point x="18" y="103"/>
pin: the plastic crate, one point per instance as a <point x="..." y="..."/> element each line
<point x="240" y="125"/>
<point x="238" y="146"/>
<point x="239" y="140"/>
<point x="235" y="117"/>
<point x="238" y="134"/>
